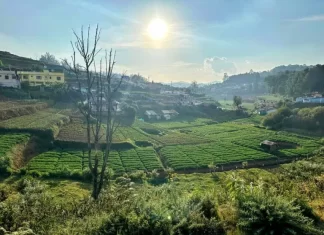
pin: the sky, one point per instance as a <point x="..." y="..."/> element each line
<point x="204" y="40"/>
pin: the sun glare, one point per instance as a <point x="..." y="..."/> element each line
<point x="157" y="29"/>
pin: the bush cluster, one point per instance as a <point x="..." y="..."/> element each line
<point x="310" y="119"/>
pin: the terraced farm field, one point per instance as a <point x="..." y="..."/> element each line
<point x="200" y="156"/>
<point x="76" y="131"/>
<point x="74" y="160"/>
<point x="182" y="124"/>
<point x="177" y="145"/>
<point x="40" y="120"/>
<point x="10" y="105"/>
<point x="234" y="142"/>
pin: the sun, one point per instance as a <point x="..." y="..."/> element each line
<point x="157" y="29"/>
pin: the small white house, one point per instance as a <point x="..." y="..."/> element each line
<point x="150" y="114"/>
<point x="9" y="79"/>
<point x="168" y="114"/>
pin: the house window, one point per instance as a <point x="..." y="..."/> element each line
<point x="39" y="77"/>
<point x="58" y="78"/>
<point x="25" y="76"/>
<point x="13" y="76"/>
<point x="6" y="77"/>
<point x="0" y="76"/>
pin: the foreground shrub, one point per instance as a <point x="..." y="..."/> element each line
<point x="196" y="224"/>
<point x="269" y="214"/>
<point x="132" y="223"/>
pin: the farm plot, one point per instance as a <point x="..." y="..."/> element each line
<point x="8" y="141"/>
<point x="304" y="145"/>
<point x="248" y="136"/>
<point x="134" y="134"/>
<point x="12" y="105"/>
<point x="214" y="129"/>
<point x="40" y="120"/>
<point x="76" y="131"/>
<point x="174" y="138"/>
<point x="119" y="161"/>
<point x="200" y="156"/>
<point x="182" y="124"/>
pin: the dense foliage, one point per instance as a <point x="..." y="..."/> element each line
<point x="310" y="119"/>
<point x="295" y="83"/>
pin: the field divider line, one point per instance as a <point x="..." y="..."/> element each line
<point x="160" y="157"/>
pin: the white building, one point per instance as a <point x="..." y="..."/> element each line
<point x="9" y="79"/>
<point x="168" y="114"/>
<point x="150" y="114"/>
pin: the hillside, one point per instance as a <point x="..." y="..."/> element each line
<point x="19" y="62"/>
<point x="252" y="77"/>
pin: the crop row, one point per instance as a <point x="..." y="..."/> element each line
<point x="182" y="124"/>
<point x="200" y="156"/>
<point x="8" y="141"/>
<point x="119" y="161"/>
<point x="215" y="129"/>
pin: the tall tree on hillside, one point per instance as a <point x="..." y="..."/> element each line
<point x="97" y="104"/>
<point x="194" y="87"/>
<point x="1" y="64"/>
<point x="237" y="101"/>
<point x="225" y="77"/>
<point x="48" y="58"/>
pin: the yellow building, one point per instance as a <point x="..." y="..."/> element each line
<point x="45" y="78"/>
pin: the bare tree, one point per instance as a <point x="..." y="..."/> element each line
<point x="96" y="104"/>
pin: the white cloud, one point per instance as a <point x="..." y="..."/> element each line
<point x="310" y="18"/>
<point x="220" y="65"/>
<point x="247" y="62"/>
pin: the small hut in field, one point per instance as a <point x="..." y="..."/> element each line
<point x="269" y="145"/>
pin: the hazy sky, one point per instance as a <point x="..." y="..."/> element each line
<point x="205" y="37"/>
